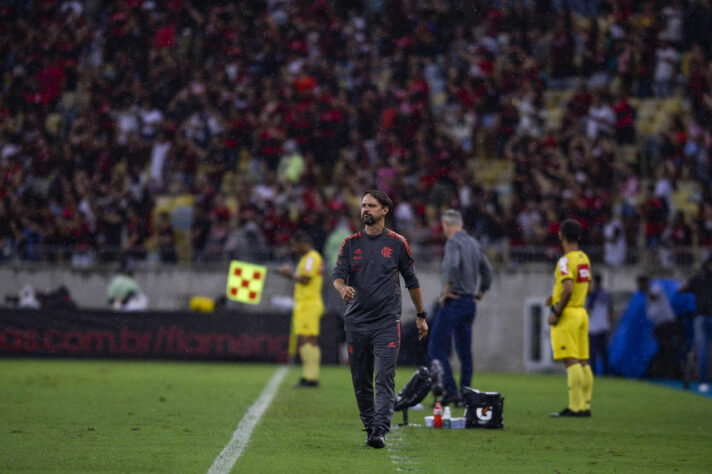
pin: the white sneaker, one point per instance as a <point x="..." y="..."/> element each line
<point x="704" y="387"/>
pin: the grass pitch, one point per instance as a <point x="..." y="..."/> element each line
<point x="79" y="416"/>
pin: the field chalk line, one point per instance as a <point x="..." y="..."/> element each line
<point x="402" y="463"/>
<point x="228" y="456"/>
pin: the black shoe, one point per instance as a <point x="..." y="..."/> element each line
<point x="368" y="435"/>
<point x="304" y="383"/>
<point x="585" y="413"/>
<point x="566" y="412"/>
<point x="376" y="438"/>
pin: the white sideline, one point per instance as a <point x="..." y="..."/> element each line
<point x="228" y="456"/>
<point x="403" y="463"/>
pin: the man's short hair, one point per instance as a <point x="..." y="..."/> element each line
<point x="452" y="217"/>
<point x="571" y="230"/>
<point x="381" y="197"/>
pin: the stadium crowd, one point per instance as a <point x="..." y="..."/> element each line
<point x="265" y="117"/>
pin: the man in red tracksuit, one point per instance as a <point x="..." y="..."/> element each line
<point x="366" y="277"/>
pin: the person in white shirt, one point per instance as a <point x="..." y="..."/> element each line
<point x="666" y="62"/>
<point x="600" y="118"/>
<point x="673" y="29"/>
<point x="151" y="119"/>
<point x="614" y="246"/>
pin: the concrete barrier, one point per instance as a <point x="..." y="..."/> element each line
<point x="498" y="337"/>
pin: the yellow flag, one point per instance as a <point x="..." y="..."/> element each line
<point x="245" y="282"/>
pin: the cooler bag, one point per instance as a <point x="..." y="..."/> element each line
<point x="483" y="409"/>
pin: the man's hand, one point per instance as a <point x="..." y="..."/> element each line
<point x="548" y="301"/>
<point x="447" y="296"/>
<point x="347" y="293"/>
<point x="286" y="270"/>
<point x="478" y="296"/>
<point x="422" y="326"/>
<point x="552" y="319"/>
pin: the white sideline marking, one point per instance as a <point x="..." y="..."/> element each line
<point x="228" y="456"/>
<point x="398" y="460"/>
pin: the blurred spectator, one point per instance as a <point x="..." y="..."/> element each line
<point x="166" y="238"/>
<point x="625" y="121"/>
<point x="667" y="330"/>
<point x="601" y="118"/>
<point x="677" y="241"/>
<point x="614" y="247"/>
<point x="286" y="107"/>
<point x="28" y="299"/>
<point x="138" y="231"/>
<point x="291" y="165"/>
<point x="667" y="59"/>
<point x="701" y="286"/>
<point x="704" y="229"/>
<point x="654" y="213"/>
<point x="217" y="236"/>
<point x="6" y="232"/>
<point x="599" y="305"/>
<point x="333" y="243"/>
<point x="246" y="241"/>
<point x="123" y="292"/>
<point x="57" y="299"/>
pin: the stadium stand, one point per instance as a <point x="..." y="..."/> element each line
<point x="190" y="131"/>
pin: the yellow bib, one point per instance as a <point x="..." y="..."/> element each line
<point x="576" y="267"/>
<point x="311" y="265"/>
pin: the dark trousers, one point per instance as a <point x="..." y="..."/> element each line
<point x="368" y="350"/>
<point x="598" y="344"/>
<point x="455" y="318"/>
<point x="703" y="335"/>
<point x="666" y="363"/>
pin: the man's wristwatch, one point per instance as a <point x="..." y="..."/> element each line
<point x="553" y="310"/>
<point x="422" y="315"/>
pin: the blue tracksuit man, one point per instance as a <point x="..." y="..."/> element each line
<point x="464" y="268"/>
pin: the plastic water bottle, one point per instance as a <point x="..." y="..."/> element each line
<point x="447" y="417"/>
<point x="438" y="416"/>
